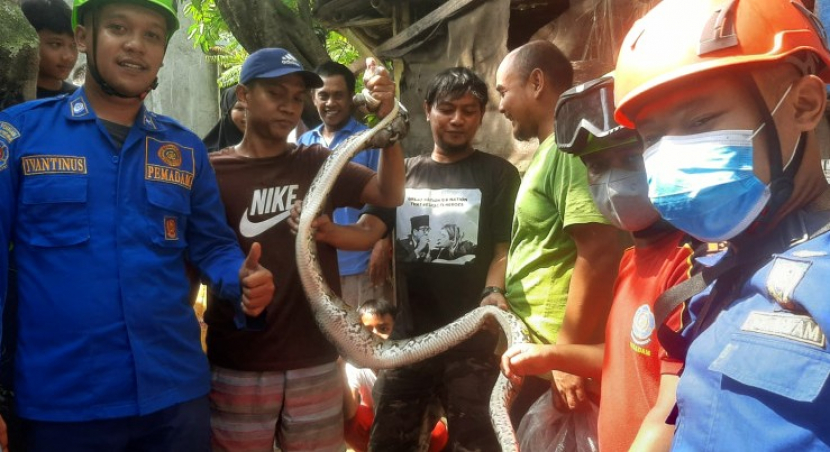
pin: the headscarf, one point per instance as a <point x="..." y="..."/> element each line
<point x="224" y="133"/>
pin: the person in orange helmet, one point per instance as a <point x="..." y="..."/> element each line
<point x="727" y="96"/>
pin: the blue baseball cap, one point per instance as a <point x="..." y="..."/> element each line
<point x="275" y="62"/>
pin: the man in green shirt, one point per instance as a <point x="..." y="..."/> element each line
<point x="563" y="255"/>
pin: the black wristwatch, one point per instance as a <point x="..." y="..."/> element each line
<point x="490" y="289"/>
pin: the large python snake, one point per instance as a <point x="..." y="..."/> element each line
<point x="341" y="323"/>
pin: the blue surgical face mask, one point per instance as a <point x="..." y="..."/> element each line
<point x="621" y="195"/>
<point x="704" y="185"/>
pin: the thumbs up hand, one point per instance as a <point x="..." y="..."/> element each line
<point x="257" y="283"/>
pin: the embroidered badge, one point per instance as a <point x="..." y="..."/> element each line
<point x="8" y="132"/>
<point x="170" y="154"/>
<point x="783" y="278"/>
<point x="169" y="163"/>
<point x="78" y="107"/>
<point x="171" y="228"/>
<point x="642" y="328"/>
<point x="53" y="164"/>
<point x="796" y="327"/>
<point x="4" y="156"/>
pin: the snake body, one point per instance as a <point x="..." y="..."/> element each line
<point x="341" y="323"/>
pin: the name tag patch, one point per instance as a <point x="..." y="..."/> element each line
<point x="800" y="328"/>
<point x="53" y="164"/>
<point x="8" y="132"/>
<point x="170" y="163"/>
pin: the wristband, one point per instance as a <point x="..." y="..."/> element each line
<point x="490" y="289"/>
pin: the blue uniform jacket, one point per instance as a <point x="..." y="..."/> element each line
<point x="101" y="236"/>
<point x="757" y="378"/>
<point x="349" y="262"/>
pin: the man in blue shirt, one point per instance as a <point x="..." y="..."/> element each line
<point x="363" y="274"/>
<point x="105" y="201"/>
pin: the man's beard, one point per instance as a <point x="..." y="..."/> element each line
<point x="454" y="148"/>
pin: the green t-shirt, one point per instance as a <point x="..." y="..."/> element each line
<point x="553" y="195"/>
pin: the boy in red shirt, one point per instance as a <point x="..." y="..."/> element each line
<point x="638" y="379"/>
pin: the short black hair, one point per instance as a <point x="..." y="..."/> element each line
<point x="331" y="68"/>
<point x="546" y="57"/>
<point x="52" y="15"/>
<point x="455" y="82"/>
<point x="377" y="306"/>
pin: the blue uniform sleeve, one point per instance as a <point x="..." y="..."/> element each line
<point x="8" y="199"/>
<point x="214" y="249"/>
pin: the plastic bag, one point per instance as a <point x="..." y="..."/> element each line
<point x="546" y="429"/>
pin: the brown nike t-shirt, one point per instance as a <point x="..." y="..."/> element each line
<point x="258" y="194"/>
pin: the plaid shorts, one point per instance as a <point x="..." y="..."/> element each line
<point x="301" y="409"/>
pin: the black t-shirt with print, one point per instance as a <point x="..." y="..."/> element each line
<point x="469" y="208"/>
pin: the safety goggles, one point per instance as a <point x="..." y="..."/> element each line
<point x="586" y="112"/>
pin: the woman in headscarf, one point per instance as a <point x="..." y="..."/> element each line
<point x="231" y="126"/>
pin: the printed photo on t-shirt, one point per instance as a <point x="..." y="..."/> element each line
<point x="438" y="226"/>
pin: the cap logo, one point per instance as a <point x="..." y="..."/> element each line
<point x="289" y="59"/>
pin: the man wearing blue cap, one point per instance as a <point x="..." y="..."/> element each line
<point x="278" y="379"/>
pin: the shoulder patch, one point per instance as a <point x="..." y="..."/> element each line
<point x="4" y="156"/>
<point x="8" y="132"/>
<point x="796" y="327"/>
<point x="784" y="277"/>
<point x="78" y="107"/>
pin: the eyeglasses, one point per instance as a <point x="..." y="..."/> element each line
<point x="583" y="111"/>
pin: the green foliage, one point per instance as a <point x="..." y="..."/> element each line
<point x="339" y="48"/>
<point x="209" y="28"/>
<point x="210" y="33"/>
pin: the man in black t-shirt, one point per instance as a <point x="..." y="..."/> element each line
<point x="459" y="202"/>
<point x="473" y="192"/>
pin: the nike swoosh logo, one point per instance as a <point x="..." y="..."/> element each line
<point x="250" y="229"/>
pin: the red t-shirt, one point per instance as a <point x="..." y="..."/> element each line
<point x="634" y="361"/>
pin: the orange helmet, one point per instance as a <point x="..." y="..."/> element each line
<point x="684" y="38"/>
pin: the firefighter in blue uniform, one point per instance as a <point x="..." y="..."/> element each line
<point x="105" y="201"/>
<point x="727" y="96"/>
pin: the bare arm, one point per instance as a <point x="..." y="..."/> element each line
<point x="589" y="300"/>
<point x="359" y="236"/>
<point x="495" y="276"/>
<point x="655" y="435"/>
<point x="592" y="283"/>
<point x="386" y="189"/>
<point x="536" y="359"/>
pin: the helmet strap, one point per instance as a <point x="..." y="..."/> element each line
<point x="781" y="183"/>
<point x="92" y="64"/>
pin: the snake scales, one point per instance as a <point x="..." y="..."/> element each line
<point x="341" y="324"/>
